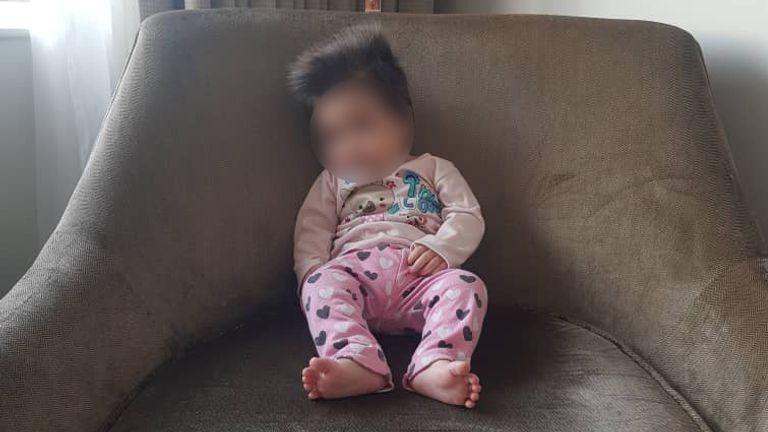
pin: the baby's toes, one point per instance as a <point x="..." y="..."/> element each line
<point x="309" y="378"/>
<point x="472" y="399"/>
<point x="474" y="389"/>
<point x="308" y="384"/>
<point x="308" y="374"/>
<point x="474" y="396"/>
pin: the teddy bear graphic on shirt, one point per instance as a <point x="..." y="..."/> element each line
<point x="405" y="197"/>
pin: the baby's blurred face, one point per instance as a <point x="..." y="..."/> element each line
<point x="359" y="137"/>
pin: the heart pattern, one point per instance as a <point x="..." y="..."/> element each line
<point x="437" y="285"/>
<point x="320" y="339"/>
<point x="352" y="334"/>
<point x="436" y="316"/>
<point x="345" y="309"/>
<point x="361" y="339"/>
<point x="342" y="326"/>
<point x="324" y="312"/>
<point x="340" y="277"/>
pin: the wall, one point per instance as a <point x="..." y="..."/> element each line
<point x="18" y="222"/>
<point x="734" y="40"/>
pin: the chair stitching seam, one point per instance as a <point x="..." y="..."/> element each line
<point x="650" y="370"/>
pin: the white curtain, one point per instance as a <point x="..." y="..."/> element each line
<point x="79" y="48"/>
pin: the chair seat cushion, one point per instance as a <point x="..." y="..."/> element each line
<point x="539" y="373"/>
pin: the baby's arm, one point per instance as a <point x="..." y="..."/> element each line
<point x="463" y="225"/>
<point x="315" y="227"/>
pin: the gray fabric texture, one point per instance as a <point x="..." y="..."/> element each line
<point x="592" y="145"/>
<point x="542" y="374"/>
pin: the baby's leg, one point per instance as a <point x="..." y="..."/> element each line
<point x="454" y="302"/>
<point x="351" y="361"/>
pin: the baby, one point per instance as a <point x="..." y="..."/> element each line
<point x="381" y="234"/>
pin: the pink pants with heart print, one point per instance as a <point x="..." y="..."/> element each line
<point x="368" y="291"/>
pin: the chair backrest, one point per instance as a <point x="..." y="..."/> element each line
<point x="592" y="145"/>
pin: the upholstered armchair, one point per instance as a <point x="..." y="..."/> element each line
<point x="627" y="280"/>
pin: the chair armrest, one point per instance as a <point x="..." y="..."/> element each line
<point x="646" y="235"/>
<point x="74" y="338"/>
<point x="78" y="335"/>
<point x="179" y="229"/>
<point x="717" y="347"/>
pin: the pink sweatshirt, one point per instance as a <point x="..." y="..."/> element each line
<point x="425" y="201"/>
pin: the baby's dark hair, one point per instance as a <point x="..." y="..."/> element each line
<point x="357" y="52"/>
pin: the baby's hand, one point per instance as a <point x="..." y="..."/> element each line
<point x="424" y="261"/>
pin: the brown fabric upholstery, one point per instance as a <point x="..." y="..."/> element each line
<point x="592" y="145"/>
<point x="540" y="374"/>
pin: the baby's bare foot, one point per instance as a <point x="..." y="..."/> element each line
<point x="329" y="378"/>
<point x="450" y="382"/>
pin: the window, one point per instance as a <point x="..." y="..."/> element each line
<point x="15" y="14"/>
